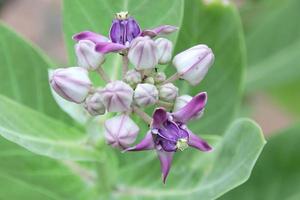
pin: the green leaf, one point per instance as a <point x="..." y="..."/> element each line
<point x="96" y="15"/>
<point x="24" y="74"/>
<point x="195" y="174"/>
<point x="24" y="175"/>
<point x="272" y="45"/>
<point x="218" y="26"/>
<point x="273" y="42"/>
<point x="276" y="175"/>
<point x="41" y="134"/>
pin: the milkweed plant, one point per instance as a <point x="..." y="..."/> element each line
<point x="159" y="127"/>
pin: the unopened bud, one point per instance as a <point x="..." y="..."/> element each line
<point x="117" y="96"/>
<point x="120" y="131"/>
<point x="93" y="104"/>
<point x="159" y="77"/>
<point x="87" y="57"/>
<point x="182" y="101"/>
<point x="145" y="94"/>
<point x="143" y="53"/>
<point x="193" y="64"/>
<point x="132" y="77"/>
<point x="73" y="84"/>
<point x="165" y="48"/>
<point x="149" y="80"/>
<point x="168" y="92"/>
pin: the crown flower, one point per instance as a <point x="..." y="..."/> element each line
<point x="143" y="88"/>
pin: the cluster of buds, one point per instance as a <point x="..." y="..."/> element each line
<point x="143" y="84"/>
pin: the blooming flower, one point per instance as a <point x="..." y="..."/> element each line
<point x="169" y="133"/>
<point x="123" y="30"/>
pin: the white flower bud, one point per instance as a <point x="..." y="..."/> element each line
<point x="193" y="64"/>
<point x="145" y="94"/>
<point x="149" y="80"/>
<point x="168" y="92"/>
<point x="160" y="77"/>
<point x="93" y="104"/>
<point x="143" y="53"/>
<point x="117" y="96"/>
<point x="165" y="48"/>
<point x="132" y="77"/>
<point x="181" y="101"/>
<point x="73" y="84"/>
<point x="87" y="57"/>
<point x="120" y="131"/>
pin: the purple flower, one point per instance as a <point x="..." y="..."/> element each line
<point x="123" y="30"/>
<point x="169" y="133"/>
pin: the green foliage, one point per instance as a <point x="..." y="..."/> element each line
<point x="276" y="175"/>
<point x="41" y="134"/>
<point x="23" y="74"/>
<point x="24" y="175"/>
<point x="273" y="43"/>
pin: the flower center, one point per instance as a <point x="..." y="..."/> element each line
<point x="122" y="15"/>
<point x="182" y="144"/>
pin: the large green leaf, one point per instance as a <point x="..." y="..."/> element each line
<point x="276" y="175"/>
<point x="273" y="43"/>
<point x="217" y="25"/>
<point x="197" y="175"/>
<point x="96" y="15"/>
<point x="24" y="74"/>
<point x="24" y="175"/>
<point x="41" y="134"/>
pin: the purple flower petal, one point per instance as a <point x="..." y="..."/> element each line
<point x="160" y="30"/>
<point x="146" y="144"/>
<point x="165" y="163"/>
<point x="107" y="47"/>
<point x="198" y="143"/>
<point x="191" y="109"/>
<point x="159" y="117"/>
<point x="88" y="35"/>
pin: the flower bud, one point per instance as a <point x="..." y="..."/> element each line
<point x="116" y="96"/>
<point x="143" y="53"/>
<point x="160" y="77"/>
<point x="73" y="84"/>
<point x="168" y="92"/>
<point x="149" y="80"/>
<point x="182" y="101"/>
<point x="193" y="64"/>
<point x="93" y="104"/>
<point x="87" y="57"/>
<point x="120" y="131"/>
<point x="145" y="94"/>
<point x="132" y="77"/>
<point x="165" y="48"/>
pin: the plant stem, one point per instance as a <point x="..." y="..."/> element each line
<point x="125" y="65"/>
<point x="142" y="114"/>
<point x="172" y="78"/>
<point x="103" y="75"/>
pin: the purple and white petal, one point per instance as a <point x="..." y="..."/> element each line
<point x="146" y="144"/>
<point x="165" y="159"/>
<point x="89" y="35"/>
<point x="107" y="47"/>
<point x="160" y="116"/>
<point x="191" y="109"/>
<point x="198" y="143"/>
<point x="160" y="30"/>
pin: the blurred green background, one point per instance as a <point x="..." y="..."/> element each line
<point x="272" y="82"/>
